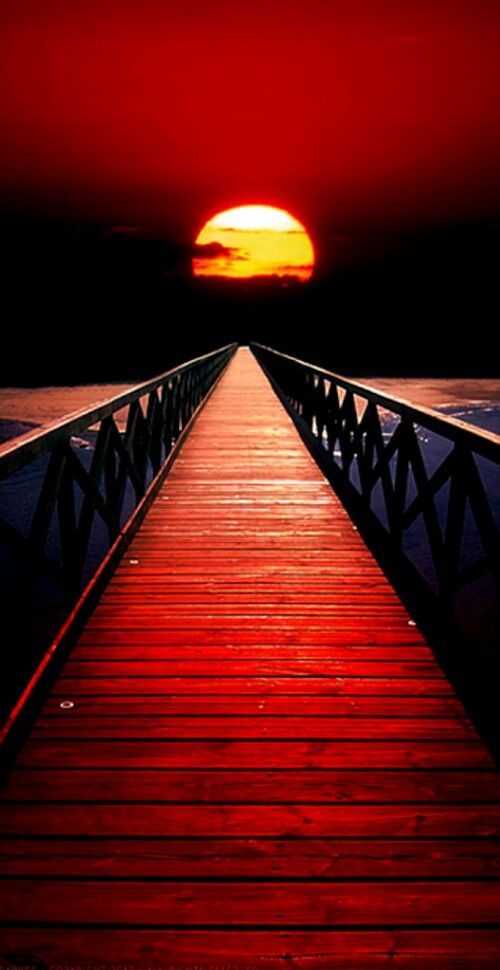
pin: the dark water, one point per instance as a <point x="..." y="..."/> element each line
<point x="12" y="429"/>
<point x="485" y="416"/>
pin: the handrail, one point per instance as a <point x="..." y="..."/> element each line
<point x="105" y="481"/>
<point x="18" y="452"/>
<point x="483" y="442"/>
<point x="381" y="473"/>
<point x="121" y="463"/>
<point x="86" y="508"/>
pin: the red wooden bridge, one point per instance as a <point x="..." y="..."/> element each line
<point x="251" y="757"/>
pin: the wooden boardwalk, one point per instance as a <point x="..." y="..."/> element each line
<point x="251" y="758"/>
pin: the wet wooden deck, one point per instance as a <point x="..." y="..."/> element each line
<point x="263" y="765"/>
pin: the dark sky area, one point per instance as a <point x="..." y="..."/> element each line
<point x="124" y="126"/>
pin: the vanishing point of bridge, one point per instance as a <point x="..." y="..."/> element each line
<point x="250" y="756"/>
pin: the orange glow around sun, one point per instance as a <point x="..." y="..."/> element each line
<point x="254" y="240"/>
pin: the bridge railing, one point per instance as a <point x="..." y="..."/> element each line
<point x="157" y="412"/>
<point x="70" y="491"/>
<point x="422" y="487"/>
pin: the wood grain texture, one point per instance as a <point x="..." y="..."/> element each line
<point x="257" y="786"/>
<point x="251" y="757"/>
<point x="273" y="903"/>
<point x="243" y="949"/>
<point x="251" y="858"/>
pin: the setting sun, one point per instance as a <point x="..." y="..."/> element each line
<point x="254" y="240"/>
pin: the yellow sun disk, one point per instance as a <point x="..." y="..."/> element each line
<point x="256" y="217"/>
<point x="255" y="241"/>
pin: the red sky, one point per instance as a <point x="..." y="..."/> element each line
<point x="351" y="113"/>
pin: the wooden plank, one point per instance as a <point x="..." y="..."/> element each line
<point x="406" y="949"/>
<point x="333" y="705"/>
<point x="174" y="587"/>
<point x="312" y="949"/>
<point x="241" y="568"/>
<point x="298" y="636"/>
<point x="250" y="858"/>
<point x="237" y="651"/>
<point x="331" y="686"/>
<point x="187" y="577"/>
<point x="137" y="599"/>
<point x="244" y="903"/>
<point x="168" y="620"/>
<point x="304" y="786"/>
<point x="70" y="725"/>
<point x="250" y="668"/>
<point x="250" y="821"/>
<point x="255" y="754"/>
